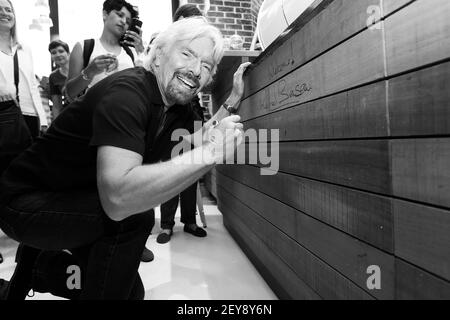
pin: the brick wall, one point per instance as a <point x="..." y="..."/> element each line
<point x="233" y="17"/>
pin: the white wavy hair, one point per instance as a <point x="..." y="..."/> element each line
<point x="187" y="29"/>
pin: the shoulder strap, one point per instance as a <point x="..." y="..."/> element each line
<point x="87" y="51"/>
<point x="129" y="52"/>
<point x="16" y="74"/>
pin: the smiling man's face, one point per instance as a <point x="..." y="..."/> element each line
<point x="185" y="69"/>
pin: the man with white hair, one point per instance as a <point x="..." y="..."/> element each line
<point x="84" y="185"/>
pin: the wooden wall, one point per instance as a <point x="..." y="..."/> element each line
<point x="364" y="170"/>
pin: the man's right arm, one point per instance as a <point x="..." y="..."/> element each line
<point x="127" y="187"/>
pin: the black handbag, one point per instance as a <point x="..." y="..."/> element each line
<point x="15" y="136"/>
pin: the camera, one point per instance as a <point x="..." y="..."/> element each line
<point x="135" y="22"/>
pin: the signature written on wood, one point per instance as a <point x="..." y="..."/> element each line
<point x="282" y="95"/>
<point x="276" y="69"/>
<point x="287" y="91"/>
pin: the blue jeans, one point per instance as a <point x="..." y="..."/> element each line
<point x="107" y="252"/>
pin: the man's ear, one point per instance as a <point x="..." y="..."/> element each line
<point x="158" y="55"/>
<point x="105" y="15"/>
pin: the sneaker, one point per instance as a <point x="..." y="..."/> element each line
<point x="198" y="232"/>
<point x="164" y="237"/>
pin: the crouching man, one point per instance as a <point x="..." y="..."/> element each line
<point x="88" y="185"/>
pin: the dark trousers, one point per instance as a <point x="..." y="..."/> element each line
<point x="107" y="252"/>
<point x="188" y="200"/>
<point x="33" y="126"/>
<point x="14" y="133"/>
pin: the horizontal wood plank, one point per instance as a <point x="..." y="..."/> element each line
<point x="413" y="283"/>
<point x="421" y="170"/>
<point x="354" y="114"/>
<point x="417" y="35"/>
<point x="359" y="164"/>
<point x="419" y="102"/>
<point x="389" y="6"/>
<point x="422" y="237"/>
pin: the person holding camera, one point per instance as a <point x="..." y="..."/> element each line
<point x="93" y="60"/>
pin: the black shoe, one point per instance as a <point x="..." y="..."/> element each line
<point x="20" y="283"/>
<point x="147" y="255"/>
<point x="198" y="232"/>
<point x="164" y="237"/>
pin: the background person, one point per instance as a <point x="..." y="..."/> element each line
<point x="60" y="54"/>
<point x="187" y="198"/>
<point x="17" y="77"/>
<point x="19" y="123"/>
<point x="93" y="60"/>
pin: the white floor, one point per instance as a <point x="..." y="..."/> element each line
<point x="186" y="268"/>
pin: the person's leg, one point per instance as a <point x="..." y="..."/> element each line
<point x="114" y="259"/>
<point x="33" y="126"/>
<point x="168" y="211"/>
<point x="188" y="205"/>
<point x="147" y="254"/>
<point x="50" y="274"/>
<point x="44" y="221"/>
<point x="56" y="221"/>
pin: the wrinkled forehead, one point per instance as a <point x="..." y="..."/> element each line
<point x="202" y="47"/>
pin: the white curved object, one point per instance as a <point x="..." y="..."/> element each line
<point x="271" y="22"/>
<point x="275" y="16"/>
<point x="294" y="8"/>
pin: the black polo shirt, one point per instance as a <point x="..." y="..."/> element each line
<point x="124" y="110"/>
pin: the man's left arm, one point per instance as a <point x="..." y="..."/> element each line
<point x="230" y="107"/>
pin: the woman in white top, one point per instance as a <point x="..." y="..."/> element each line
<point x="28" y="92"/>
<point x="14" y="134"/>
<point x="108" y="55"/>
